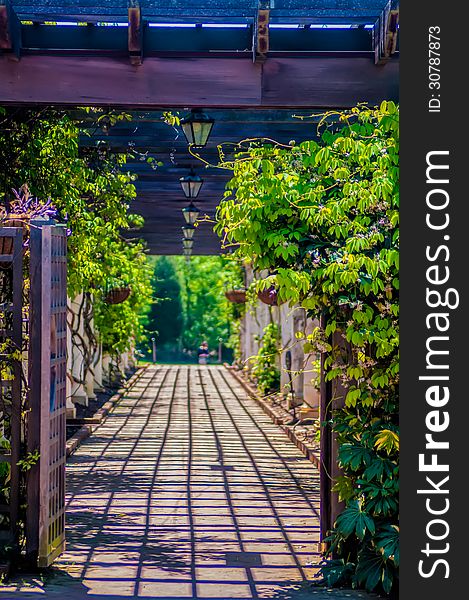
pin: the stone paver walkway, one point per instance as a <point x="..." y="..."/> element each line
<point x="188" y="491"/>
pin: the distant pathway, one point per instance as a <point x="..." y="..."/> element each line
<point x="188" y="491"/>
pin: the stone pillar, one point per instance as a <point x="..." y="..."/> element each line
<point x="132" y="358"/>
<point x="285" y="323"/>
<point x="70" y="406"/>
<point x="124" y="362"/>
<point x="90" y="383"/>
<point x="311" y="386"/>
<point x="292" y="319"/>
<point x="106" y="364"/>
<point x="98" y="369"/>
<point x="298" y="357"/>
<point x="78" y="393"/>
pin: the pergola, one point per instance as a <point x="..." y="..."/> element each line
<point x="253" y="65"/>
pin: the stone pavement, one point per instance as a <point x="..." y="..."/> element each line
<point x="187" y="490"/>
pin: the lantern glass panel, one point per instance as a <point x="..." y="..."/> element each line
<point x="191" y="185"/>
<point x="187" y="244"/>
<point x="191" y="214"/>
<point x="188" y="231"/>
<point x="197" y="127"/>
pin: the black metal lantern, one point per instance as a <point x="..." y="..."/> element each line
<point x="188" y="231"/>
<point x="197" y="127"/>
<point x="105" y="124"/>
<point x="191" y="184"/>
<point x="191" y="214"/>
<point x="187" y="244"/>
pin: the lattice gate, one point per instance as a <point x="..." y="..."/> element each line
<point x="45" y="519"/>
<point x="33" y="357"/>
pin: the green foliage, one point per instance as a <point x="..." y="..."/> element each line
<point x="206" y="310"/>
<point x="322" y="218"/>
<point x="166" y="317"/>
<point x="93" y="192"/>
<point x="264" y="364"/>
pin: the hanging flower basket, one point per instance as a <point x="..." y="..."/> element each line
<point x="117" y="295"/>
<point x="236" y="296"/>
<point x="269" y="296"/>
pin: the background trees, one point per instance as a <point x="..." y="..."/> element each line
<point x="189" y="306"/>
<point x="166" y="318"/>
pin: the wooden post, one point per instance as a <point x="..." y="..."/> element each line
<point x="10" y="29"/>
<point x="260" y="38"/>
<point x="385" y="32"/>
<point x="45" y="536"/>
<point x="135" y="36"/>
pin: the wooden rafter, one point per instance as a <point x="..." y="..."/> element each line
<point x="10" y="29"/>
<point x="385" y="33"/>
<point x="135" y="41"/>
<point x="260" y="42"/>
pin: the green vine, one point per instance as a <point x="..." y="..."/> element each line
<point x="92" y="192"/>
<point x="322" y="218"/>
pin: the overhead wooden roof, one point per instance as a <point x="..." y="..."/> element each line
<point x="355" y="11"/>
<point x="251" y="64"/>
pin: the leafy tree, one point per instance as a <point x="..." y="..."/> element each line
<point x="322" y="218"/>
<point x="93" y="192"/>
<point x="166" y="316"/>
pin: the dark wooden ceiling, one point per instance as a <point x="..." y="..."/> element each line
<point x="160" y="198"/>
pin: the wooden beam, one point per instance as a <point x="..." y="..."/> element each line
<point x="260" y="42"/>
<point x="319" y="81"/>
<point x="10" y="29"/>
<point x="135" y="33"/>
<point x="385" y="34"/>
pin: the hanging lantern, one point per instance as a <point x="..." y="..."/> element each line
<point x="197" y="127"/>
<point x="191" y="213"/>
<point x="188" y="231"/>
<point x="105" y="124"/>
<point x="191" y="184"/>
<point x="187" y="244"/>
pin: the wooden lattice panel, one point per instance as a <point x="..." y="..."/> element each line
<point x="48" y="358"/>
<point x="11" y="393"/>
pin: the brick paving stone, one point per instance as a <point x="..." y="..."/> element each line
<point x="188" y="490"/>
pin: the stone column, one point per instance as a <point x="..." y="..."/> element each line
<point x="311" y="393"/>
<point x="78" y="393"/>
<point x="98" y="369"/>
<point x="106" y="363"/>
<point x="70" y="406"/>
<point x="285" y="323"/>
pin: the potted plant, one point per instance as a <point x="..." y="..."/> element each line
<point x="269" y="296"/>
<point x="237" y="296"/>
<point x="233" y="276"/>
<point x="116" y="291"/>
<point x="117" y="295"/>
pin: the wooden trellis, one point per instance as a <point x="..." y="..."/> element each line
<point x="45" y="530"/>
<point x="38" y="310"/>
